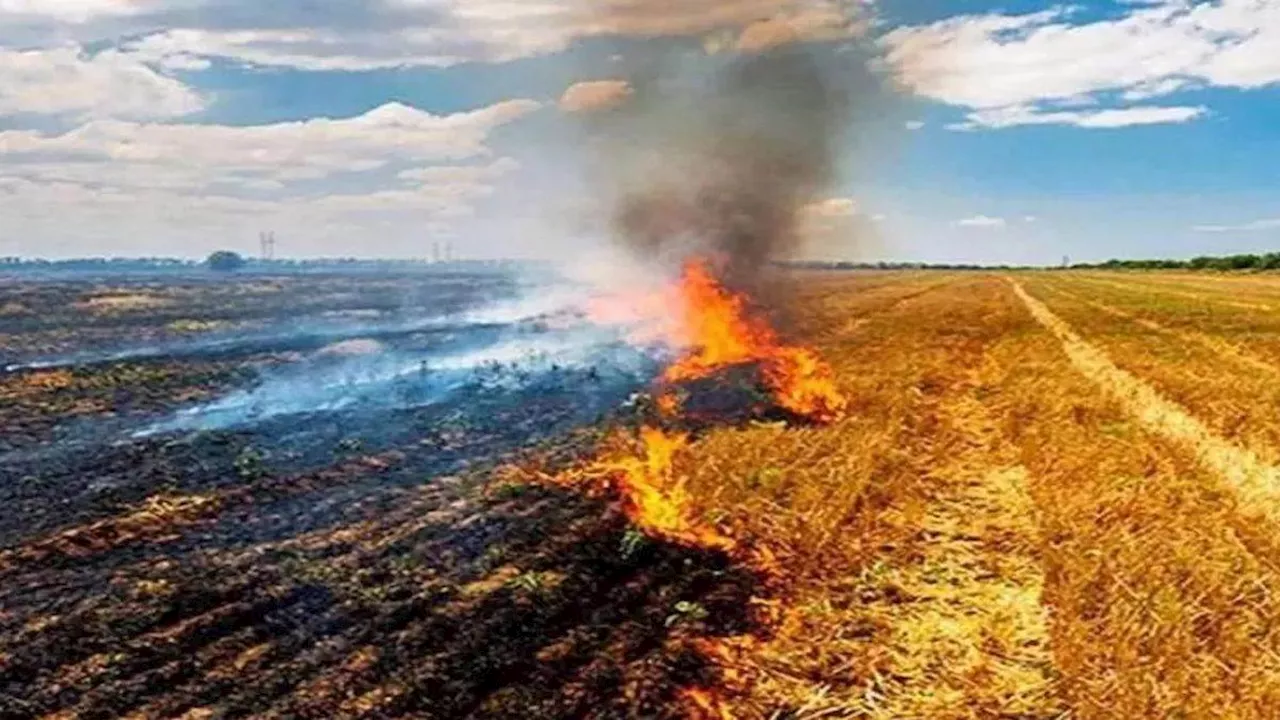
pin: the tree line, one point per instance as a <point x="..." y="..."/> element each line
<point x="1248" y="261"/>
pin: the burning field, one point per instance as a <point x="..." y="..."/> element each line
<point x="467" y="515"/>
<point x="933" y="495"/>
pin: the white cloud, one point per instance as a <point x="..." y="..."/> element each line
<point x="65" y="81"/>
<point x="837" y="227"/>
<point x="441" y="33"/>
<point x="999" y="63"/>
<point x="392" y="174"/>
<point x="913" y="124"/>
<point x="316" y="49"/>
<point x="824" y="22"/>
<point x="1254" y="226"/>
<point x="194" y="156"/>
<point x="460" y="174"/>
<point x="981" y="221"/>
<point x="75" y="11"/>
<point x="1108" y="118"/>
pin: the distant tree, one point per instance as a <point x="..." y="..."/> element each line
<point x="1243" y="262"/>
<point x="225" y="261"/>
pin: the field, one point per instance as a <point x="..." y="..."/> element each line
<point x="1051" y="495"/>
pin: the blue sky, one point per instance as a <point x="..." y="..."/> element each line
<point x="1019" y="131"/>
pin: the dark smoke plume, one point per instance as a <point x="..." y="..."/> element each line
<point x="718" y="154"/>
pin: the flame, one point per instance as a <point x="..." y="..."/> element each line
<point x="724" y="333"/>
<point x="669" y="404"/>
<point x="653" y="498"/>
<point x="716" y="329"/>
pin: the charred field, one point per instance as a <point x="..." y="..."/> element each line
<point x="330" y="540"/>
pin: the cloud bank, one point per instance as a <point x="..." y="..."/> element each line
<point x="1049" y="67"/>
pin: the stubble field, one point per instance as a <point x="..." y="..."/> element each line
<point x="1052" y="495"/>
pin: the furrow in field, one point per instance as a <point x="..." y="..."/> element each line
<point x="967" y="625"/>
<point x="1257" y="483"/>
<point x="1226" y="349"/>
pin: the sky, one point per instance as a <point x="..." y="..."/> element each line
<point x="1012" y="132"/>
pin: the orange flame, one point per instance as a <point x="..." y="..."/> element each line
<point x="717" y="330"/>
<point x="723" y="333"/>
<point x="653" y="498"/>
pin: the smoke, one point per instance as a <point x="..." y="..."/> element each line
<point x="524" y="343"/>
<point x="397" y="380"/>
<point x="718" y="154"/>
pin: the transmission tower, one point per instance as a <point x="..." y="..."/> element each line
<point x="267" y="243"/>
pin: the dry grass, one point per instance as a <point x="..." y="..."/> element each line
<point x="1215" y="378"/>
<point x="905" y="530"/>
<point x="991" y="533"/>
<point x="1160" y="589"/>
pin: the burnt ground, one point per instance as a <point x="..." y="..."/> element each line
<point x="330" y="564"/>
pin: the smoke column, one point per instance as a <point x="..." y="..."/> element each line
<point x="717" y="155"/>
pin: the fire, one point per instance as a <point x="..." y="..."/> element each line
<point x="651" y="494"/>
<point x="717" y="329"/>
<point x="724" y="333"/>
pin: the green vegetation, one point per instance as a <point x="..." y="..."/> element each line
<point x="225" y="261"/>
<point x="1266" y="261"/>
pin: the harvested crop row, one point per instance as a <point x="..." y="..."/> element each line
<point x="1255" y="331"/>
<point x="1261" y="287"/>
<point x="1257" y="482"/>
<point x="1157" y="583"/>
<point x="1210" y="297"/>
<point x="1238" y="405"/>
<point x="1228" y="350"/>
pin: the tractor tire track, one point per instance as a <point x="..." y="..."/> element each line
<point x="1256" y="483"/>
